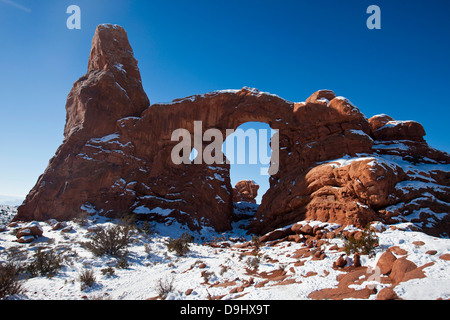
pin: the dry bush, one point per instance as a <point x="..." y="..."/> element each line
<point x="45" y="263"/>
<point x="9" y="280"/>
<point x="164" y="287"/>
<point x="180" y="245"/>
<point x="109" y="241"/>
<point x="87" y="278"/>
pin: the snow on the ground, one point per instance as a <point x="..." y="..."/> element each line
<point x="7" y="212"/>
<point x="214" y="266"/>
<point x="218" y="266"/>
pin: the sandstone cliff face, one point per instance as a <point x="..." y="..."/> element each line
<point x="90" y="160"/>
<point x="358" y="170"/>
<point x="335" y="165"/>
<point x="110" y="90"/>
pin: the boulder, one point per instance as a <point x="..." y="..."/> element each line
<point x="321" y="97"/>
<point x="397" y="250"/>
<point x="378" y="121"/>
<point x="356" y="260"/>
<point x="245" y="190"/>
<point x="345" y="288"/>
<point x="67" y="229"/>
<point x="400" y="267"/>
<point x="296" y="228"/>
<point x="275" y="235"/>
<point x="59" y="225"/>
<point x="340" y="262"/>
<point x="25" y="239"/>
<point x="32" y="229"/>
<point x="445" y="256"/>
<point x="387" y="294"/>
<point x="385" y="262"/>
<point x="400" y="130"/>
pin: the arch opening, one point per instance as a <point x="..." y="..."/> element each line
<point x="248" y="152"/>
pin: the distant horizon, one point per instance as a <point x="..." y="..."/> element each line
<point x="8" y="200"/>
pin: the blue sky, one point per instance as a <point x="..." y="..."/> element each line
<point x="289" y="48"/>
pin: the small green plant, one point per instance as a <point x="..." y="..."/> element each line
<point x="365" y="244"/>
<point x="9" y="280"/>
<point x="45" y="263"/>
<point x="110" y="241"/>
<point x="180" y="245"/>
<point x="87" y="278"/>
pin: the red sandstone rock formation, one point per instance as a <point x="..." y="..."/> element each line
<point x="246" y="190"/>
<point x="335" y="165"/>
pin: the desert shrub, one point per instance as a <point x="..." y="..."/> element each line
<point x="148" y="228"/>
<point x="109" y="271"/>
<point x="180" y="245"/>
<point x="14" y="231"/>
<point x="253" y="262"/>
<point x="364" y="244"/>
<point x="45" y="263"/>
<point x="164" y="287"/>
<point x="109" y="241"/>
<point x="9" y="280"/>
<point x="16" y="254"/>
<point x="207" y="275"/>
<point x="87" y="278"/>
<point x="129" y="221"/>
<point x="147" y="248"/>
<point x="82" y="219"/>
<point x="223" y="269"/>
<point x="122" y="262"/>
<point x="99" y="296"/>
<point x="256" y="242"/>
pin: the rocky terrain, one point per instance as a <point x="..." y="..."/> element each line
<point x="359" y="207"/>
<point x="309" y="264"/>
